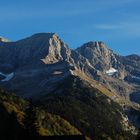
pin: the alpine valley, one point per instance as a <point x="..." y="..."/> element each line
<point x="49" y="89"/>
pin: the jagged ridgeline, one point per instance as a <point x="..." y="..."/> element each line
<point x="87" y="91"/>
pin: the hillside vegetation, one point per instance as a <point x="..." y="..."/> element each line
<point x="19" y="119"/>
<point x="85" y="107"/>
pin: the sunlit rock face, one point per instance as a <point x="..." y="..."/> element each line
<point x="37" y="63"/>
<point x="37" y="60"/>
<point x="99" y="55"/>
<point x="117" y="72"/>
<point x="88" y="80"/>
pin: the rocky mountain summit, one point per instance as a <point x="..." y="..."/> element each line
<point x="42" y="67"/>
<point x="99" y="55"/>
<point x="43" y="57"/>
<point x="46" y="55"/>
<point x="124" y="70"/>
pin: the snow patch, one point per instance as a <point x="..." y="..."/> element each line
<point x="136" y="77"/>
<point x="7" y="76"/>
<point x="111" y="71"/>
<point x="71" y="72"/>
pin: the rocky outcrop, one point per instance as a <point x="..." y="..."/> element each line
<point x="100" y="56"/>
<point x="113" y="67"/>
<point x="36" y="60"/>
<point x="81" y="85"/>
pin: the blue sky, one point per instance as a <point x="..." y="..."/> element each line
<point x="115" y="22"/>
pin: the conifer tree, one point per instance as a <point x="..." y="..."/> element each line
<point x="30" y="122"/>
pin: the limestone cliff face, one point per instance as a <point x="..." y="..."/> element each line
<point x="117" y="72"/>
<point x="41" y="48"/>
<point x="99" y="55"/>
<point x="43" y="59"/>
<point x="39" y="61"/>
<point x="87" y="80"/>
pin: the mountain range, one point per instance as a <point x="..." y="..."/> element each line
<point x="92" y="90"/>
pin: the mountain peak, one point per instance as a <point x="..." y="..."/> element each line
<point x="98" y="48"/>
<point x="38" y="37"/>
<point x="95" y="45"/>
<point x="49" y="35"/>
<point x="98" y="54"/>
<point x="40" y="47"/>
<point x="133" y="56"/>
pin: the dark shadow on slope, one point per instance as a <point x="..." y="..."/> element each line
<point x="73" y="137"/>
